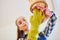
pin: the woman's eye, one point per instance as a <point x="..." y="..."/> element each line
<point x="20" y="22"/>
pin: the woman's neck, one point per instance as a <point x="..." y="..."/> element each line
<point x="26" y="31"/>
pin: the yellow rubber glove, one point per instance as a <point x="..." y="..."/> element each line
<point x="35" y="20"/>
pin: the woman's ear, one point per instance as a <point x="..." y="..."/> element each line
<point x="17" y="23"/>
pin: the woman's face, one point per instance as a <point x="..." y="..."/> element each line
<point x="22" y="24"/>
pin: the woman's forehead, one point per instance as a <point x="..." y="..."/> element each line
<point x="20" y="19"/>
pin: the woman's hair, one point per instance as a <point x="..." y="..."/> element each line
<point x="20" y="33"/>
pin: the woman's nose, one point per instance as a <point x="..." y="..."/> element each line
<point x="24" y="23"/>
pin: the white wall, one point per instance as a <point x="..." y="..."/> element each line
<point x="10" y="10"/>
<point x="56" y="32"/>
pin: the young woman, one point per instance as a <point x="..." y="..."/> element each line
<point x="22" y="28"/>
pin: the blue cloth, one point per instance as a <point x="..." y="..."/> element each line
<point x="41" y="36"/>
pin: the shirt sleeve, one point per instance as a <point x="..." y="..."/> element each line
<point x="50" y="25"/>
<point x="35" y="20"/>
